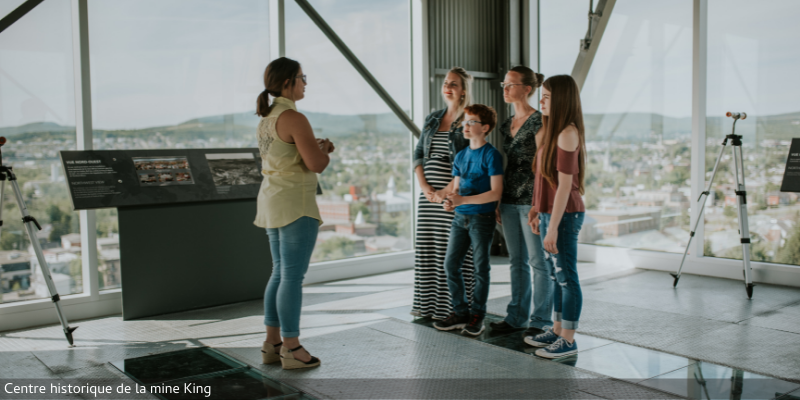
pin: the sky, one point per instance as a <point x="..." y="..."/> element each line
<point x="162" y="62"/>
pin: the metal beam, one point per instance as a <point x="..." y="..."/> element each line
<point x="699" y="93"/>
<point x="84" y="138"/>
<point x="277" y="29"/>
<point x="356" y="63"/>
<point x="18" y="13"/>
<point x="598" y="20"/>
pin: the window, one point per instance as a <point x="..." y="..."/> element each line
<point x="172" y="74"/>
<point x="752" y="59"/>
<point x="37" y="115"/>
<point x="367" y="196"/>
<point x="562" y="25"/>
<point x="637" y="112"/>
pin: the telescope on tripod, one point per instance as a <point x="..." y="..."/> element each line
<point x="7" y="174"/>
<point x="741" y="204"/>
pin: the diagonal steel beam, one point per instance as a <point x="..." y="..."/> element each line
<point x="598" y="20"/>
<point x="356" y="63"/>
<point x="18" y="13"/>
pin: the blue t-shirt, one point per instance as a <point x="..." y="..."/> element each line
<point x="475" y="169"/>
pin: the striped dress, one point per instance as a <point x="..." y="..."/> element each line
<point x="431" y="296"/>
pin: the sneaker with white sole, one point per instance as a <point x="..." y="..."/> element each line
<point x="475" y="326"/>
<point x="542" y="340"/>
<point x="561" y="348"/>
<point x="454" y="321"/>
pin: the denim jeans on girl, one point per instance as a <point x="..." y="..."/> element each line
<point x="525" y="251"/>
<point x="567" y="296"/>
<point x="291" y="248"/>
<point x="477" y="231"/>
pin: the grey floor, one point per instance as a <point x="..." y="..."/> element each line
<point x="638" y="338"/>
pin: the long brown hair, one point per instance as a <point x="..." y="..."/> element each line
<point x="565" y="109"/>
<point x="275" y="76"/>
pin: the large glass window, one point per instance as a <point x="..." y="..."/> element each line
<point x="562" y="25"/>
<point x="37" y="116"/>
<point x="172" y="74"/>
<point x="637" y="111"/>
<point x="752" y="59"/>
<point x="367" y="196"/>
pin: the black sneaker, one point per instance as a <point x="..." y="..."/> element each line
<point x="452" y="322"/>
<point x="533" y="331"/>
<point x="502" y="327"/>
<point x="475" y="325"/>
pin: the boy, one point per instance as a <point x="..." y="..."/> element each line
<point x="477" y="187"/>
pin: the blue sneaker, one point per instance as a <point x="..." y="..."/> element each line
<point x="542" y="340"/>
<point x="561" y="348"/>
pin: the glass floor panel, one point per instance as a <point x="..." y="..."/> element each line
<point x="203" y="373"/>
<point x="710" y="381"/>
<point x="176" y="365"/>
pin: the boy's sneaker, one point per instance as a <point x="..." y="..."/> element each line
<point x="475" y="325"/>
<point x="543" y="339"/>
<point x="561" y="348"/>
<point x="452" y="322"/>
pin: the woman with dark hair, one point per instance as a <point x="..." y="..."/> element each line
<point x="287" y="207"/>
<point x="524" y="248"/>
<point x="441" y="139"/>
<point x="560" y="166"/>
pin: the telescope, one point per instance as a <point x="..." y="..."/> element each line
<point x="734" y="115"/>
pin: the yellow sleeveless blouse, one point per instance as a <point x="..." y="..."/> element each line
<point x="289" y="188"/>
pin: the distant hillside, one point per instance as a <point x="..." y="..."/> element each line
<point x="35" y="127"/>
<point x="624" y="126"/>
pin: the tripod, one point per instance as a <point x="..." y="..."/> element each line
<point x="741" y="205"/>
<point x="6" y="173"/>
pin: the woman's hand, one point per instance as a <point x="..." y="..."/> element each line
<point x="533" y="221"/>
<point x="428" y="191"/>
<point x="497" y="216"/>
<point x="326" y="145"/>
<point x="550" y="240"/>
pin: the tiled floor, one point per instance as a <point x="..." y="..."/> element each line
<point x="639" y="338"/>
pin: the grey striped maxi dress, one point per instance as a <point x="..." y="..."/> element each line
<point x="431" y="296"/>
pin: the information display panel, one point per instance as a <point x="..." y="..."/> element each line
<point x="118" y="178"/>
<point x="791" y="176"/>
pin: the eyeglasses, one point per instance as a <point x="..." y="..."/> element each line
<point x="470" y="123"/>
<point x="509" y="85"/>
<point x="303" y="77"/>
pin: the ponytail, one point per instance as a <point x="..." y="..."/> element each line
<point x="262" y="104"/>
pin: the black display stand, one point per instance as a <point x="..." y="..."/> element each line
<point x="179" y="257"/>
<point x="187" y="238"/>
<point x="791" y="176"/>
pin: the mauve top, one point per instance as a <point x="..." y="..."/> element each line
<point x="544" y="194"/>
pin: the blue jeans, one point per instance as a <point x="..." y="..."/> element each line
<point x="568" y="298"/>
<point x="291" y="248"/>
<point x="525" y="251"/>
<point x="476" y="231"/>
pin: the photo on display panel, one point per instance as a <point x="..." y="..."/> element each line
<point x="229" y="169"/>
<point x="163" y="171"/>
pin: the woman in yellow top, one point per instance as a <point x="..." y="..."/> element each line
<point x="287" y="207"/>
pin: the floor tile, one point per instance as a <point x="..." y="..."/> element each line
<point x="626" y="362"/>
<point x="710" y="381"/>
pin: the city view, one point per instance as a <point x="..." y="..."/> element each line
<point x="637" y="190"/>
